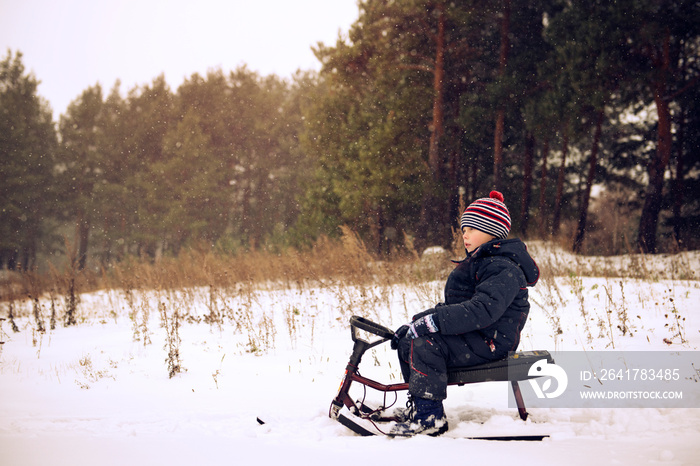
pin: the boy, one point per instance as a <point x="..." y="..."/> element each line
<point x="485" y="308"/>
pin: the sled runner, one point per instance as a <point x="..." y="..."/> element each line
<point x="363" y="418"/>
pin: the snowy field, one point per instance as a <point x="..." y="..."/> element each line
<point x="100" y="392"/>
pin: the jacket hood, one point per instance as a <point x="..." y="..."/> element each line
<point x="513" y="249"/>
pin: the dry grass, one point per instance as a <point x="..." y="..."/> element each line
<point x="329" y="263"/>
<point x="241" y="292"/>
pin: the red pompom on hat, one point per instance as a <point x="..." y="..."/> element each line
<point x="496" y="195"/>
<point x="488" y="214"/>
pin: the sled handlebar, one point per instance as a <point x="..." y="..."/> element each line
<point x="357" y="322"/>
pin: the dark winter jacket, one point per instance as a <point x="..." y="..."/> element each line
<point x="486" y="297"/>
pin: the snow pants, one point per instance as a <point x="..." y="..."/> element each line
<point x="424" y="362"/>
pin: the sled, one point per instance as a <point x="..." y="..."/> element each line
<point x="513" y="369"/>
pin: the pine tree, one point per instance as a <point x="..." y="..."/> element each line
<point x="82" y="162"/>
<point x="27" y="149"/>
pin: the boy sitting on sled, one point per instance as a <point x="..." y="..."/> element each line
<point x="486" y="305"/>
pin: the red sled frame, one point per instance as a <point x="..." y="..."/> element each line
<point x="513" y="369"/>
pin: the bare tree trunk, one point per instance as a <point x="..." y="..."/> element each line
<point x="257" y="215"/>
<point x="586" y="194"/>
<point x="474" y="170"/>
<point x="656" y="167"/>
<point x="498" y="150"/>
<point x="556" y="218"/>
<point x="437" y="125"/>
<point x="244" y="222"/>
<point x="543" y="188"/>
<point x="527" y="184"/>
<point x="434" y="211"/>
<point x="501" y="112"/>
<point x="83" y="235"/>
<point x="678" y="182"/>
<point x="456" y="171"/>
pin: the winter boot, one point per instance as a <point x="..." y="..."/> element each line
<point x="396" y="415"/>
<point x="404" y="414"/>
<point x="427" y="417"/>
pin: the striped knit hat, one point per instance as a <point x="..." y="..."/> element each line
<point x="488" y="214"/>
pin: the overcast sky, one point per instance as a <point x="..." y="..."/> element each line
<point x="70" y="45"/>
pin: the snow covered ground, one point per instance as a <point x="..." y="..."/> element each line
<point x="99" y="393"/>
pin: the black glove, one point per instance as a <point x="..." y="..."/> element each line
<point x="423" y="326"/>
<point x="425" y="313"/>
<point x="398" y="335"/>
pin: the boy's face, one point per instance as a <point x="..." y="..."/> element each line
<point x="474" y="238"/>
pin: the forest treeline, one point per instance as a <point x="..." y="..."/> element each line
<point x="585" y="114"/>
